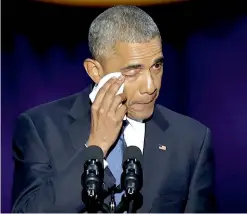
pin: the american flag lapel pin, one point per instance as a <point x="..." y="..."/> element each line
<point x="162" y="147"/>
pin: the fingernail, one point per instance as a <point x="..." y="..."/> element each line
<point x="121" y="78"/>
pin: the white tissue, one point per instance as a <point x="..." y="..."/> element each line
<point x="97" y="87"/>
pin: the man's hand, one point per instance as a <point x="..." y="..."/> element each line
<point x="107" y="113"/>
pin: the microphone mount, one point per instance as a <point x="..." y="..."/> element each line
<point x="93" y="193"/>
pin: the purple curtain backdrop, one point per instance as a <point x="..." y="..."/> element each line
<point x="205" y="78"/>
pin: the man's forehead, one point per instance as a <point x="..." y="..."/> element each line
<point x="138" y="51"/>
<point x="133" y="49"/>
<point x="125" y="54"/>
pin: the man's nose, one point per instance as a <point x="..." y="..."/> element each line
<point x="147" y="85"/>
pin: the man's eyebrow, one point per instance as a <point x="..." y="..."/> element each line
<point x="158" y="60"/>
<point x="140" y="66"/>
<point x="133" y="66"/>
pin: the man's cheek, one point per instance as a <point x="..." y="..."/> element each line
<point x="128" y="91"/>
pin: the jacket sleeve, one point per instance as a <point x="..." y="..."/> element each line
<point x="201" y="191"/>
<point x="37" y="187"/>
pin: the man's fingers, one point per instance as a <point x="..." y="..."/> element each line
<point x="117" y="102"/>
<point x="101" y="93"/>
<point x="120" y="113"/>
<point x="111" y="93"/>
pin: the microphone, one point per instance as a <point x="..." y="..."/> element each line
<point x="132" y="176"/>
<point x="93" y="176"/>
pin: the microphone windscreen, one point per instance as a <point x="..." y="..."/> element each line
<point x="132" y="152"/>
<point x="93" y="152"/>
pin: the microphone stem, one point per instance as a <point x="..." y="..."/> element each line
<point x="131" y="206"/>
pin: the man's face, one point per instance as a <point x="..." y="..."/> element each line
<point x="142" y="66"/>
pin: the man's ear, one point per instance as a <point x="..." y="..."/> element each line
<point x="94" y="69"/>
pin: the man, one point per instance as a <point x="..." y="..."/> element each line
<point x="50" y="139"/>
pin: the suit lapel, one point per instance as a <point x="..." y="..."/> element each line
<point x="155" y="159"/>
<point x="79" y="127"/>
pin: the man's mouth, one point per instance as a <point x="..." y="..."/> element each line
<point x="146" y="102"/>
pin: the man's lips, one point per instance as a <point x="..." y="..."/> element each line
<point x="146" y="102"/>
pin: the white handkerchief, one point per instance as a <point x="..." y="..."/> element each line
<point x="97" y="87"/>
<point x="134" y="133"/>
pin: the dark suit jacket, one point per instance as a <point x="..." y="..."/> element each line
<point x="49" y="142"/>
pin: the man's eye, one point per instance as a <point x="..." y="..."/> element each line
<point x="131" y="73"/>
<point x="158" y="66"/>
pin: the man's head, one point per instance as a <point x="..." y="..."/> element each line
<point x="126" y="39"/>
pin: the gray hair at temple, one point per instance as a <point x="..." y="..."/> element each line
<point x="120" y="23"/>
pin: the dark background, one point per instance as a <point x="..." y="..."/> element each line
<point x="205" y="77"/>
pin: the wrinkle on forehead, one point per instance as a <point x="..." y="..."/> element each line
<point x="144" y="54"/>
<point x="138" y="50"/>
